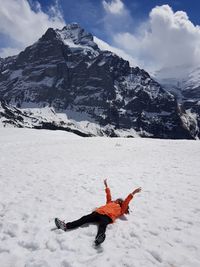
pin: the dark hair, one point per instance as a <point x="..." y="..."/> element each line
<point x="120" y="201"/>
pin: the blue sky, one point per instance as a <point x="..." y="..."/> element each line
<point x="152" y="34"/>
<point x="90" y="13"/>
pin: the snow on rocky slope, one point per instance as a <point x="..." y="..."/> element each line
<point x="47" y="118"/>
<point x="184" y="83"/>
<point x="47" y="174"/>
<point x="65" y="69"/>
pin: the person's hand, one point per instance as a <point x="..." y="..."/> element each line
<point x="137" y="190"/>
<point x="105" y="183"/>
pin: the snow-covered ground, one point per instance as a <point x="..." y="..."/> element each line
<point x="48" y="174"/>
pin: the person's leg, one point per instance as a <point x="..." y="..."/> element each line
<point x="104" y="220"/>
<point x="92" y="217"/>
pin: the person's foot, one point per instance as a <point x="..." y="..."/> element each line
<point x="99" y="239"/>
<point x="60" y="224"/>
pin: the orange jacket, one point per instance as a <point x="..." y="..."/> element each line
<point x="113" y="209"/>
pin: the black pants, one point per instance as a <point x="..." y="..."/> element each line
<point x="102" y="220"/>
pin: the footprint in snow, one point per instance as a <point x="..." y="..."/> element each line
<point x="177" y="229"/>
<point x="154" y="233"/>
<point x="156" y="256"/>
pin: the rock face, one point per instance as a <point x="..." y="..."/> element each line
<point x="43" y="118"/>
<point x="186" y="88"/>
<point x="66" y="70"/>
<point x="1" y="62"/>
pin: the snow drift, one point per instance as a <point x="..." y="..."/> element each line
<point x="48" y="174"/>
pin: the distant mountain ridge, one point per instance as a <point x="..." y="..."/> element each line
<point x="184" y="83"/>
<point x="66" y="70"/>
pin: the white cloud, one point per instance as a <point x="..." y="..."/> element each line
<point x="114" y="6"/>
<point x="24" y="25"/>
<point x="167" y="39"/>
<point x="117" y="17"/>
<point x="8" y="51"/>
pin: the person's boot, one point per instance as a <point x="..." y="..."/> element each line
<point x="99" y="239"/>
<point x="60" y="224"/>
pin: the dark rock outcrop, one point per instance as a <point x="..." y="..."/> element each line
<point x="65" y="69"/>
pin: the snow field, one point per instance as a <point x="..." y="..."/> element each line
<point x="47" y="174"/>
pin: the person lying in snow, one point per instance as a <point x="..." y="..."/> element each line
<point x="103" y="215"/>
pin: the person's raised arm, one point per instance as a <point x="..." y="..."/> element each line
<point x="137" y="190"/>
<point x="108" y="194"/>
<point x="128" y="199"/>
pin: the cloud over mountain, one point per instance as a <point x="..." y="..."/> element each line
<point x="166" y="39"/>
<point x="114" y="7"/>
<point x="23" y="24"/>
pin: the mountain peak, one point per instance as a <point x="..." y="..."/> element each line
<point x="71" y="26"/>
<point x="49" y="34"/>
<point x="75" y="34"/>
<point x="66" y="70"/>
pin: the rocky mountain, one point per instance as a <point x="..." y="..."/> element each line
<point x="47" y="118"/>
<point x="184" y="83"/>
<point x="1" y="61"/>
<point x="191" y="85"/>
<point x="67" y="71"/>
<point x="42" y="118"/>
